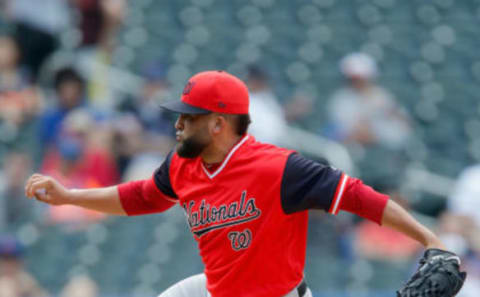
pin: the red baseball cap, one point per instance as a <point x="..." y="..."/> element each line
<point x="212" y="91"/>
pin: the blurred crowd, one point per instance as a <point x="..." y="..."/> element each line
<point x="59" y="116"/>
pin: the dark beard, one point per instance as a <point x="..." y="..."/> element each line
<point x="190" y="148"/>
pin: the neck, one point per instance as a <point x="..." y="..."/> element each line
<point x="220" y="149"/>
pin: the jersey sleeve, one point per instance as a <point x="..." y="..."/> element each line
<point x="161" y="177"/>
<point x="307" y="184"/>
<point x="363" y="201"/>
<point x="143" y="197"/>
<point x="149" y="196"/>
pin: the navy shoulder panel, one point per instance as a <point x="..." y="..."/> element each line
<point x="307" y="184"/>
<point x="162" y="177"/>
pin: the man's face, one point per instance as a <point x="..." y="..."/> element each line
<point x="70" y="94"/>
<point x="192" y="135"/>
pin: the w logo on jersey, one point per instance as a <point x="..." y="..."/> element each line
<point x="240" y="240"/>
<point x="207" y="217"/>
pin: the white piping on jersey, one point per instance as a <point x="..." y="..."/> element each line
<point x="338" y="198"/>
<point x="169" y="199"/>
<point x="226" y="159"/>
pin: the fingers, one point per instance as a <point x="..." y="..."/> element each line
<point x="28" y="185"/>
<point x="35" y="184"/>
<point x="39" y="189"/>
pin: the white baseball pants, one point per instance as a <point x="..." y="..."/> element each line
<point x="196" y="286"/>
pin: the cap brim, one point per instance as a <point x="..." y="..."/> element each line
<point x="182" y="107"/>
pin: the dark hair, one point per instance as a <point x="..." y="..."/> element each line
<point x="242" y="122"/>
<point x="67" y="74"/>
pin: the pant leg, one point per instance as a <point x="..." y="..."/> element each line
<point x="194" y="286"/>
<point x="308" y="293"/>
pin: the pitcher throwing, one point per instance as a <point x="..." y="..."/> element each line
<point x="247" y="202"/>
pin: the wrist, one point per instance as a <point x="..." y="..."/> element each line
<point x="433" y="242"/>
<point x="72" y="196"/>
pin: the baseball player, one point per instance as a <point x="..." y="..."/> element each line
<point x="247" y="202"/>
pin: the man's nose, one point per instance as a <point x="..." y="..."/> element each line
<point x="179" y="123"/>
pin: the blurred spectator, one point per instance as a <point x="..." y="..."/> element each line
<point x="80" y="286"/>
<point x="144" y="134"/>
<point x="366" y="118"/>
<point x="268" y="118"/>
<point x="99" y="22"/>
<point x="90" y="19"/>
<point x="460" y="226"/>
<point x="363" y="112"/>
<point x="15" y="281"/>
<point x="14" y="207"/>
<point x="128" y="139"/>
<point x="19" y="101"/>
<point x="38" y="24"/>
<point x="138" y="151"/>
<point x="81" y="159"/>
<point x="298" y="108"/>
<point x="145" y="106"/>
<point x="13" y="76"/>
<point x="464" y="201"/>
<point x="69" y="94"/>
<point x="82" y="156"/>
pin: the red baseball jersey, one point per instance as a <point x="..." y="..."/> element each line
<point x="249" y="215"/>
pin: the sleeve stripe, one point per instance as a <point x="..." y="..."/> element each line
<point x="334" y="208"/>
<point x="169" y="199"/>
<point x="161" y="194"/>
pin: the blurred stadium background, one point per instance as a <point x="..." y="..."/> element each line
<point x="80" y="82"/>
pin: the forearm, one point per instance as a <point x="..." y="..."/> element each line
<point x="132" y="198"/>
<point x="397" y="218"/>
<point x="105" y="200"/>
<point x="365" y="202"/>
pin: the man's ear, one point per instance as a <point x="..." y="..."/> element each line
<point x="217" y="127"/>
<point x="218" y="124"/>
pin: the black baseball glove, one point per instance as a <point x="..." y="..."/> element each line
<point x="437" y="276"/>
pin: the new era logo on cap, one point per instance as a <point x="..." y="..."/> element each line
<point x="212" y="91"/>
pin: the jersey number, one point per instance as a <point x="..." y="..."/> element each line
<point x="240" y="240"/>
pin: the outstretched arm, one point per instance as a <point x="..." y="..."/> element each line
<point x="395" y="217"/>
<point x="49" y="190"/>
<point x="439" y="271"/>
<point x="362" y="200"/>
<point x="132" y="198"/>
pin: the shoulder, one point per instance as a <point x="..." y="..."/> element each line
<point x="263" y="158"/>
<point x="264" y="151"/>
